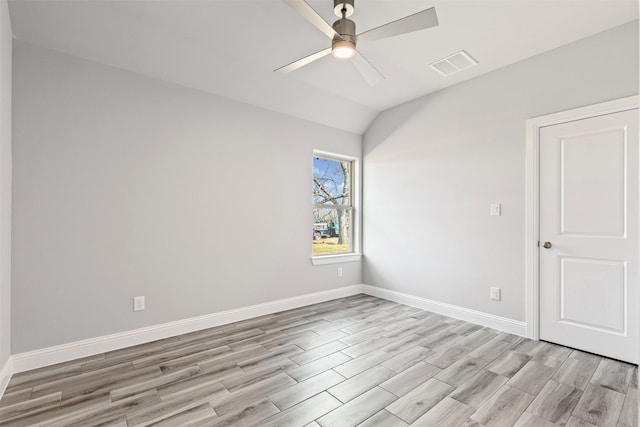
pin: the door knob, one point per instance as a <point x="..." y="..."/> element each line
<point x="546" y="245"/>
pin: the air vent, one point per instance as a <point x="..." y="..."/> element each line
<point x="453" y="63"/>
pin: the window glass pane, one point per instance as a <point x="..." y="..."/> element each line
<point x="332" y="230"/>
<point x="331" y="182"/>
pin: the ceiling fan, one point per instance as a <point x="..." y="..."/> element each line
<point x="343" y="35"/>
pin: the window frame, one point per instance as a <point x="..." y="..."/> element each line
<point x="354" y="254"/>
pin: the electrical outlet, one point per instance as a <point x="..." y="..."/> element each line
<point x="138" y="303"/>
<point x="495" y="294"/>
<point x="339" y="271"/>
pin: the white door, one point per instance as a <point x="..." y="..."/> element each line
<point x="589" y="234"/>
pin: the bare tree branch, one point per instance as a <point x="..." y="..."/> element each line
<point x="324" y="193"/>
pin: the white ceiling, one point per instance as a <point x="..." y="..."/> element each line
<point x="231" y="47"/>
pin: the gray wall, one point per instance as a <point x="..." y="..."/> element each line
<point x="5" y="183"/>
<point x="125" y="186"/>
<point x="433" y="166"/>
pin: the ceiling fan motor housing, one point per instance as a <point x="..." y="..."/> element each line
<point x="346" y="29"/>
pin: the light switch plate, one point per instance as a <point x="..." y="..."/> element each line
<point x="138" y="303"/>
<point x="495" y="209"/>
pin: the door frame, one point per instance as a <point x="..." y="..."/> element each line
<point x="532" y="196"/>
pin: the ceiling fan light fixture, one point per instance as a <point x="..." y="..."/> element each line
<point x="343" y="49"/>
<point x="344" y="36"/>
<point x="343" y="45"/>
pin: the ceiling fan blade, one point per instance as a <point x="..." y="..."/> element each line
<point x="303" y="61"/>
<point x="416" y="22"/>
<point x="311" y="15"/>
<point x="368" y="71"/>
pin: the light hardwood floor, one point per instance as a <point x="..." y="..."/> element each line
<point x="354" y="361"/>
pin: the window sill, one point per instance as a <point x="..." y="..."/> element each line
<point x="335" y="259"/>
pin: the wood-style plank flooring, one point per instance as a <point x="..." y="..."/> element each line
<point x="356" y="361"/>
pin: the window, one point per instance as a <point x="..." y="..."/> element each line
<point x="333" y="215"/>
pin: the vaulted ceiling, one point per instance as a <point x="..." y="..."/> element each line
<point x="231" y="48"/>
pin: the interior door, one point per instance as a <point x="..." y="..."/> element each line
<point x="589" y="234"/>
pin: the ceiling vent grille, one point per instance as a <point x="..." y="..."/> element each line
<point x="453" y="63"/>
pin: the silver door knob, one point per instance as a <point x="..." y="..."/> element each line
<point x="546" y="245"/>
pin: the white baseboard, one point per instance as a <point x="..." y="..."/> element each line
<point x="75" y="350"/>
<point x="5" y="375"/>
<point x="62" y="353"/>
<point x="480" y="318"/>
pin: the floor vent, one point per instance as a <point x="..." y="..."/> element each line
<point x="453" y="63"/>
